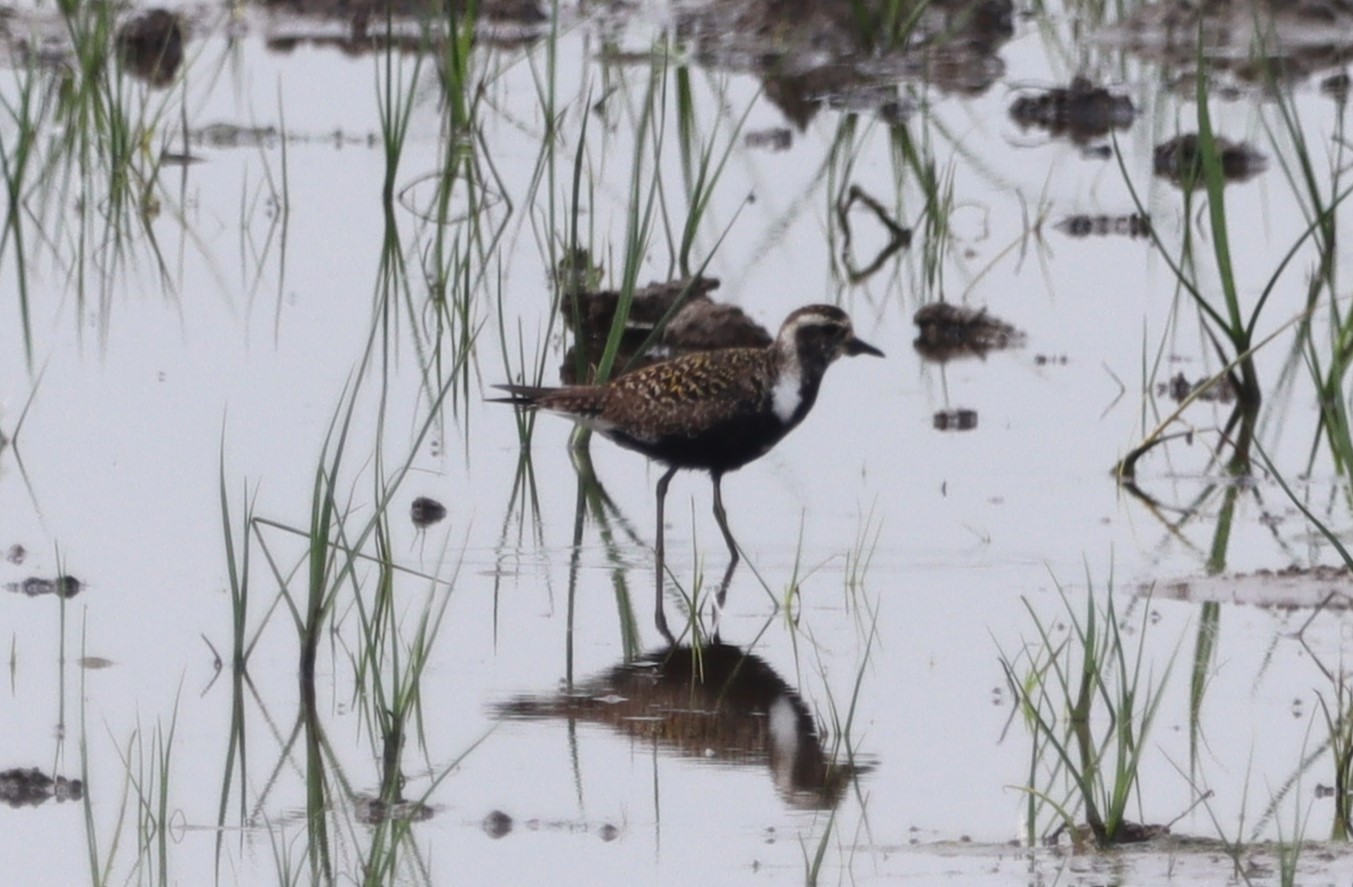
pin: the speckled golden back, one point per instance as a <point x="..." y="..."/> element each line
<point x="683" y="396"/>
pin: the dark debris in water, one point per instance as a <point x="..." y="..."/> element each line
<point x="680" y="311"/>
<point x="31" y="787"/>
<point x="425" y="512"/>
<point x="364" y="13"/>
<point x="497" y="824"/>
<point x="1179" y="388"/>
<point x="33" y="586"/>
<point x="230" y="135"/>
<point x="374" y="811"/>
<point x="812" y="53"/>
<point x="704" y="325"/>
<point x="1130" y="225"/>
<point x="1291" y="588"/>
<point x="150" y="46"/>
<point x="955" y="420"/>
<point x="896" y="236"/>
<point x="1080" y="111"/>
<point x="1245" y="45"/>
<point x="366" y="20"/>
<point x="775" y="138"/>
<point x="948" y="331"/>
<point x="1180" y="160"/>
<point x="358" y="27"/>
<point x="694" y="320"/>
<point x="16" y="553"/>
<point x="1337" y="86"/>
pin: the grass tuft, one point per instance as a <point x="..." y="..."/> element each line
<point x="1088" y="707"/>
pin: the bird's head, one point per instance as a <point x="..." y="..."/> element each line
<point x="818" y="334"/>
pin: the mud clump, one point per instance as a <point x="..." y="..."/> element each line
<point x="151" y="46"/>
<point x="955" y="420"/>
<point x="948" y="331"/>
<point x="31" y="787"/>
<point x="497" y="824"/>
<point x="1180" y="160"/>
<point x="34" y="586"/>
<point x="374" y="811"/>
<point x="679" y="316"/>
<point x="1180" y="388"/>
<point x="425" y="512"/>
<point x="1080" y="111"/>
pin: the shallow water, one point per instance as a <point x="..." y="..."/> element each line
<point x="218" y="352"/>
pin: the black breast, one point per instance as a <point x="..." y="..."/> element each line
<point x="722" y="447"/>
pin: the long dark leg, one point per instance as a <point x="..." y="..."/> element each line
<point x="722" y="517"/>
<point x="659" y="616"/>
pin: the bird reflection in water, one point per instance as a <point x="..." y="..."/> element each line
<point x="717" y="702"/>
